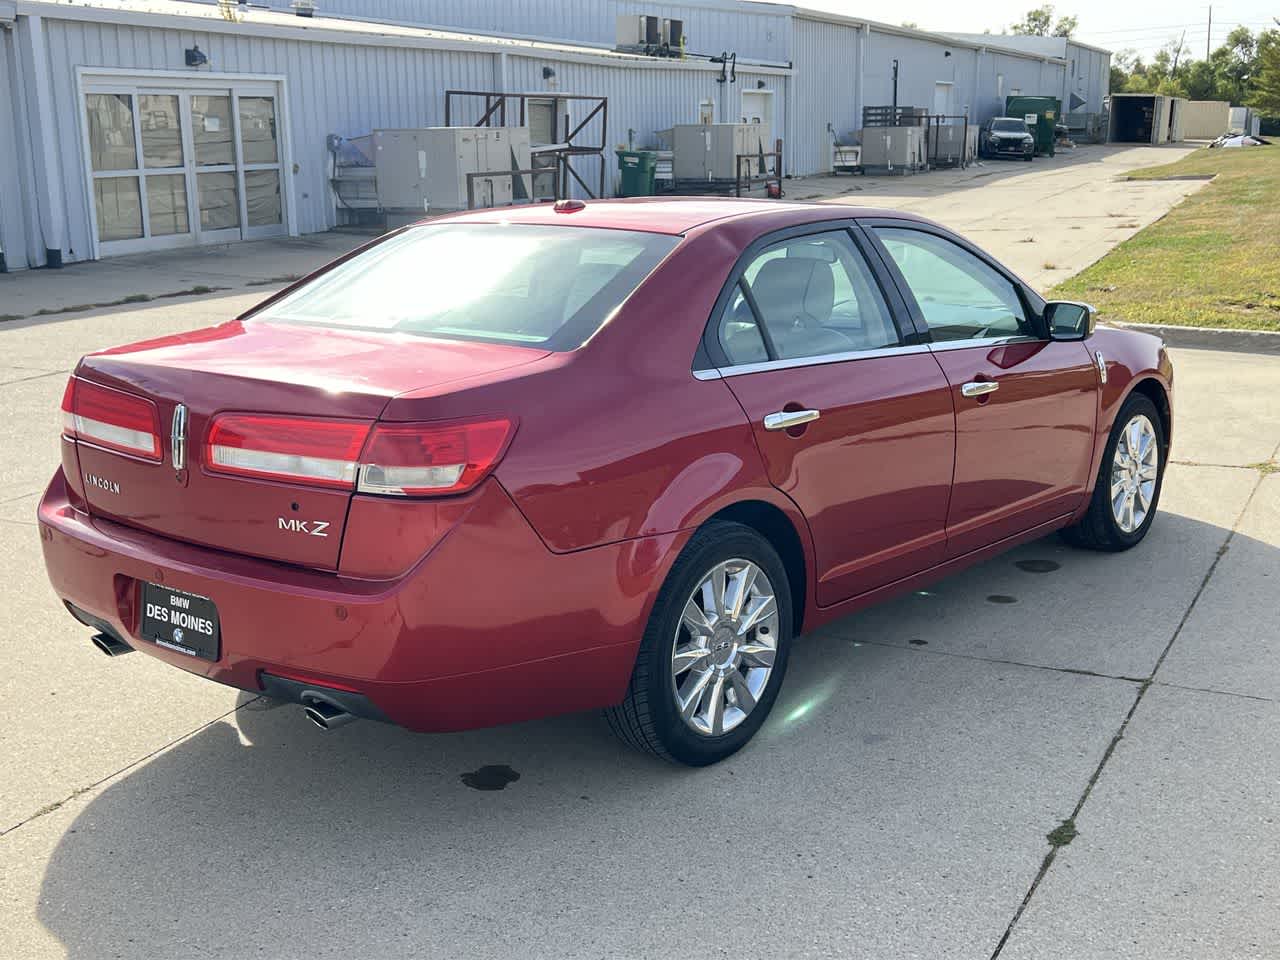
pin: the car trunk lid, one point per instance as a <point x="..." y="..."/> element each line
<point x="274" y="373"/>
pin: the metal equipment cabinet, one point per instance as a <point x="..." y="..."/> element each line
<point x="709" y="151"/>
<point x="425" y="170"/>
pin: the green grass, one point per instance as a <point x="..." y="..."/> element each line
<point x="1212" y="261"/>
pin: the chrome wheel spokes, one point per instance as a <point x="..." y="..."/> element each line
<point x="1135" y="468"/>
<point x="724" y="648"/>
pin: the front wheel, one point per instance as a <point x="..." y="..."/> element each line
<point x="1127" y="491"/>
<point x="714" y="651"/>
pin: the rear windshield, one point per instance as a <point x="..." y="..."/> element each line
<point x="541" y="286"/>
<point x="1009" y="126"/>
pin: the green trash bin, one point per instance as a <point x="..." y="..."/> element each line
<point x="637" y="168"/>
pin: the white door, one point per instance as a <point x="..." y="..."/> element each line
<point x="172" y="167"/>
<point x="757" y="107"/>
<point x="942" y="99"/>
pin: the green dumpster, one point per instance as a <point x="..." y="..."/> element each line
<point x="637" y="168"/>
<point x="1047" y="111"/>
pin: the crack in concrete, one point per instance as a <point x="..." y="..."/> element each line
<point x="1146" y="685"/>
<point x="49" y="808"/>
<point x="37" y="376"/>
<point x="1008" y="663"/>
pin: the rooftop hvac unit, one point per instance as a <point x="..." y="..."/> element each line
<point x="638" y="31"/>
<point x="710" y="151"/>
<point x="426" y="170"/>
<point x="673" y="34"/>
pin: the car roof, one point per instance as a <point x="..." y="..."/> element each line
<point x="674" y="215"/>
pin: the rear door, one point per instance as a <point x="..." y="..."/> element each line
<point x="853" y="420"/>
<point x="1026" y="406"/>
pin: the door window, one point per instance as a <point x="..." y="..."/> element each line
<point x="960" y="296"/>
<point x="806" y="297"/>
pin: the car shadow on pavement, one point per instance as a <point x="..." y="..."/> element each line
<point x="895" y="796"/>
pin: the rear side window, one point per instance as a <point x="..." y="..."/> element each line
<point x="808" y="296"/>
<point x="961" y="297"/>
<point x="545" y="286"/>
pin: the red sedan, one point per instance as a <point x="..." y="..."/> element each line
<point x="526" y="461"/>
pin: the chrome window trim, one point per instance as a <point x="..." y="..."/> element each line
<point x="764" y="366"/>
<point x="939" y="345"/>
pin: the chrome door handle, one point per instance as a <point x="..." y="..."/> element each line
<point x="979" y="388"/>
<point x="786" y="419"/>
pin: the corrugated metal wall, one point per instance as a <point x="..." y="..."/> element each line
<point x="331" y="88"/>
<point x="758" y="33"/>
<point x="335" y="85"/>
<point x="641" y="99"/>
<point x="826" y="91"/>
<point x="921" y="65"/>
<point x="1089" y="77"/>
<point x="13" y="226"/>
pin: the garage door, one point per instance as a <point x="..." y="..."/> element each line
<point x="172" y="166"/>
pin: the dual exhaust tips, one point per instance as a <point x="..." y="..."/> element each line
<point x="321" y="712"/>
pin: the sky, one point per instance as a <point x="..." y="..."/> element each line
<point x="1141" y="25"/>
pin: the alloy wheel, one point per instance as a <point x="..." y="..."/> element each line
<point x="1135" y="467"/>
<point x="723" y="652"/>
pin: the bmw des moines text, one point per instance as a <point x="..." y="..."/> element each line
<point x="613" y="455"/>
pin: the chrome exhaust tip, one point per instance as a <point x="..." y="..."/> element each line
<point x="111" y="646"/>
<point x="326" y="716"/>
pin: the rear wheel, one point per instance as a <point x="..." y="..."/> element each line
<point x="714" y="651"/>
<point x="1127" y="491"/>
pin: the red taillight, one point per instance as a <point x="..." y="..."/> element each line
<point x="425" y="459"/>
<point x="321" y="452"/>
<point x="399" y="459"/>
<point x="111" y="418"/>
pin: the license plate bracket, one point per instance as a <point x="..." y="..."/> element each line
<point x="180" y="621"/>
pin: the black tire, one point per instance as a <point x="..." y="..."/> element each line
<point x="1098" y="529"/>
<point x="648" y="718"/>
<point x="1028" y="159"/>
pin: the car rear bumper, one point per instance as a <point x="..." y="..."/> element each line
<point x="488" y="627"/>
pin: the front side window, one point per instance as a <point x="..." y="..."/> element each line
<point x="806" y="297"/>
<point x="545" y="286"/>
<point x="961" y="297"/>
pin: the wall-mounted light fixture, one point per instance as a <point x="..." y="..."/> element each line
<point x="196" y="57"/>
<point x="548" y="73"/>
<point x="946" y="53"/>
<point x="759" y="84"/>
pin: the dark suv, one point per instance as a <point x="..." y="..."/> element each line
<point x="1006" y="137"/>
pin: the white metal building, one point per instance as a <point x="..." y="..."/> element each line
<point x="110" y="143"/>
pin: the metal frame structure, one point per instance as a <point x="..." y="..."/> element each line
<point x="563" y="150"/>
<point x="764" y="175"/>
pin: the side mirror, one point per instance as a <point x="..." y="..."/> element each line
<point x="1068" y="320"/>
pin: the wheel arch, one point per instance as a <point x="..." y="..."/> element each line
<point x="774" y="525"/>
<point x="1155" y="391"/>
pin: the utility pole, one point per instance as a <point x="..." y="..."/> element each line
<point x="1209" y="36"/>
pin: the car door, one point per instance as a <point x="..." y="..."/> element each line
<point x="1026" y="406"/>
<point x="853" y="420"/>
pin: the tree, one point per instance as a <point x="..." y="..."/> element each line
<point x="1040" y="23"/>
<point x="1265" y="93"/>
